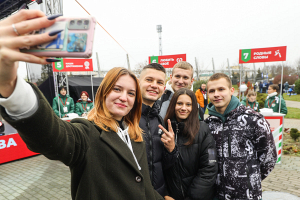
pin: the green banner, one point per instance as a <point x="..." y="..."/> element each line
<point x="154" y="59"/>
<point x="59" y="65"/>
<point x="246" y="55"/>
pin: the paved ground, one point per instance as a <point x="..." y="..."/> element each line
<point x="34" y="178"/>
<point x="285" y="177"/>
<point x="39" y="178"/>
<point x="294" y="104"/>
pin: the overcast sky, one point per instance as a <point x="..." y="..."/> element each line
<point x="201" y="29"/>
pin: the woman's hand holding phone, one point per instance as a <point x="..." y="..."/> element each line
<point x="168" y="137"/>
<point x="13" y="36"/>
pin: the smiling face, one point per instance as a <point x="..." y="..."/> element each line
<point x="121" y="98"/>
<point x="181" y="78"/>
<point x="152" y="84"/>
<point x="251" y="98"/>
<point x="84" y="97"/>
<point x="219" y="94"/>
<point x="183" y="107"/>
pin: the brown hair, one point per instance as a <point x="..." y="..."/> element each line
<point x="191" y="124"/>
<point x="275" y="87"/>
<point x="103" y="118"/>
<point x="155" y="66"/>
<point x="218" y="76"/>
<point x="184" y="65"/>
<point x="250" y="93"/>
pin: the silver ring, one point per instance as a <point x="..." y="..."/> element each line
<point x="15" y="30"/>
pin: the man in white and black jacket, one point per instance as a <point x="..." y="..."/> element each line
<point x="161" y="151"/>
<point x="246" y="150"/>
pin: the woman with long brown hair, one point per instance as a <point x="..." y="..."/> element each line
<point x="105" y="153"/>
<point x="194" y="174"/>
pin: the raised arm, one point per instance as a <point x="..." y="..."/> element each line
<point x="13" y="36"/>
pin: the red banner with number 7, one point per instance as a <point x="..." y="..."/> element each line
<point x="270" y="54"/>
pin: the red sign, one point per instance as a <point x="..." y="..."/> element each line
<point x="12" y="148"/>
<point x="73" y="65"/>
<point x="270" y="54"/>
<point x="167" y="61"/>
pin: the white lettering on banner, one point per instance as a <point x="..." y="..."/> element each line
<point x="165" y="63"/>
<point x="260" y="57"/>
<point x="10" y="142"/>
<point x="262" y="53"/>
<point x="166" y="59"/>
<point x="74" y="66"/>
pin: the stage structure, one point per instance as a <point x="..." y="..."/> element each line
<point x="8" y="7"/>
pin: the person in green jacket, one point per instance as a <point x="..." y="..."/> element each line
<point x="250" y="101"/>
<point x="84" y="104"/>
<point x="273" y="100"/>
<point x="66" y="103"/>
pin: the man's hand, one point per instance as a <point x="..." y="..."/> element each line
<point x="168" y="137"/>
<point x="168" y="198"/>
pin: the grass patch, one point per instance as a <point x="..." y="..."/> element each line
<point x="236" y="88"/>
<point x="293" y="113"/>
<point x="292" y="97"/>
<point x="290" y="146"/>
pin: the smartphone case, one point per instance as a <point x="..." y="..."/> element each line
<point x="74" y="41"/>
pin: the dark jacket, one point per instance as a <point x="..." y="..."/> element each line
<point x="245" y="149"/>
<point x="194" y="174"/>
<point x="101" y="164"/>
<point x="158" y="157"/>
<point x="165" y="101"/>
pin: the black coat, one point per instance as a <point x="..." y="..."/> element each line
<point x="194" y="174"/>
<point x="101" y="164"/>
<point x="158" y="157"/>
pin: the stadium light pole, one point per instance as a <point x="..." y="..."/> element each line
<point x="159" y="30"/>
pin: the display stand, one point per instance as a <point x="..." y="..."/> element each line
<point x="276" y="121"/>
<point x="12" y="146"/>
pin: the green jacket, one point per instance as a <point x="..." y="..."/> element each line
<point x="67" y="101"/>
<point x="101" y="164"/>
<point x="82" y="107"/>
<point x="273" y="102"/>
<point x="254" y="105"/>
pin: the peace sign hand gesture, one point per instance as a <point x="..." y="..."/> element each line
<point x="168" y="137"/>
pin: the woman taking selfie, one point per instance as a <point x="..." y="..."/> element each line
<point x="194" y="174"/>
<point x="105" y="153"/>
<point x="84" y="104"/>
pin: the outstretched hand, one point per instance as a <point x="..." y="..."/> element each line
<point x="13" y="36"/>
<point x="168" y="137"/>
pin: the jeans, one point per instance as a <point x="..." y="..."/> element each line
<point x="204" y="108"/>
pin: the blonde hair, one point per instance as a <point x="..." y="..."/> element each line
<point x="184" y="65"/>
<point x="101" y="115"/>
<point x="251" y="93"/>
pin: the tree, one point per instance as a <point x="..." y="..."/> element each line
<point x="246" y="78"/>
<point x="290" y="79"/>
<point x="258" y="75"/>
<point x="138" y="67"/>
<point x="297" y="86"/>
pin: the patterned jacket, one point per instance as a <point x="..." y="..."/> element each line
<point x="246" y="153"/>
